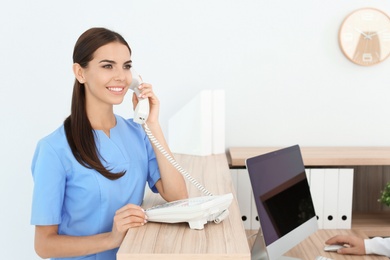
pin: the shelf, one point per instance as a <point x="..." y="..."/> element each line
<point x="320" y="156"/>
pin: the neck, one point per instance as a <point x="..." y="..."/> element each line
<point x="102" y="119"/>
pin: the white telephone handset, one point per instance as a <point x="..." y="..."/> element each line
<point x="141" y="111"/>
<point x="196" y="211"/>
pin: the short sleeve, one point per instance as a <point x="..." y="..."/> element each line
<point x="154" y="172"/>
<point x="49" y="185"/>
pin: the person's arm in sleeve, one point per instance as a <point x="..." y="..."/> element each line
<point x="172" y="185"/>
<point x="49" y="189"/>
<point x="360" y="246"/>
<point x="378" y="245"/>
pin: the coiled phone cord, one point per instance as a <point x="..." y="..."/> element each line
<point x="154" y="141"/>
<point x="217" y="218"/>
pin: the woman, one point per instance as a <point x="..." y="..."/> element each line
<point x="90" y="174"/>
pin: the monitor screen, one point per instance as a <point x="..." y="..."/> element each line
<point x="283" y="200"/>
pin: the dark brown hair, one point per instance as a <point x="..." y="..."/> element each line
<point x="78" y="129"/>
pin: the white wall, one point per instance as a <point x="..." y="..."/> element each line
<point x="285" y="78"/>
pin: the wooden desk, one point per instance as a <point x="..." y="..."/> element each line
<point x="226" y="240"/>
<point x="313" y="246"/>
<point x="320" y="156"/>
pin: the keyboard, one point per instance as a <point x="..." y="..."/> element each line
<point x="196" y="211"/>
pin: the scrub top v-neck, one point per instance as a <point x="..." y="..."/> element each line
<point x="80" y="200"/>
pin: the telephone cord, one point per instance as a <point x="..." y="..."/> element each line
<point x="156" y="143"/>
<point x="219" y="217"/>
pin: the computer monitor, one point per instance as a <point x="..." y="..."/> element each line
<point x="283" y="200"/>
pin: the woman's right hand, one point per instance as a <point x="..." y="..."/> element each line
<point x="48" y="243"/>
<point x="128" y="216"/>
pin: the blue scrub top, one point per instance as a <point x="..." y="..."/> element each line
<point x="81" y="201"/>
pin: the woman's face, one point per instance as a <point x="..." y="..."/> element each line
<point x="108" y="77"/>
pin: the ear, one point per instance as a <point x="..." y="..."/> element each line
<point x="79" y="73"/>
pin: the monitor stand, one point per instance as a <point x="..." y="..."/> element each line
<point x="259" y="250"/>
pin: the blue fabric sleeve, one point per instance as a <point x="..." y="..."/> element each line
<point x="49" y="186"/>
<point x="154" y="171"/>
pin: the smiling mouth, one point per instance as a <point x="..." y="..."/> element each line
<point x="115" y="89"/>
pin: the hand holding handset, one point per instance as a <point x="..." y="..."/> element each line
<point x="141" y="111"/>
<point x="196" y="211"/>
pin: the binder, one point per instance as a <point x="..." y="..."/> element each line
<point x="190" y="128"/>
<point x="244" y="196"/>
<point x="233" y="174"/>
<point x="317" y="193"/>
<point x="331" y="191"/>
<point x="255" y="221"/>
<point x="307" y="171"/>
<point x="218" y="121"/>
<point x="345" y="181"/>
<point x="331" y="199"/>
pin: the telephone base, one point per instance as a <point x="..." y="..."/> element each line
<point x="199" y="224"/>
<point x="195" y="211"/>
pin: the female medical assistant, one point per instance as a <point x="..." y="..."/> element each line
<point x="80" y="200"/>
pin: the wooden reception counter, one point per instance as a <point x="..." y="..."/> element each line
<point x="226" y="240"/>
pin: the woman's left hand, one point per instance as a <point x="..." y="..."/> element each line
<point x="146" y="91"/>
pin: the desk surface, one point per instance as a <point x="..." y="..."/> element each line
<point x="320" y="156"/>
<point x="312" y="247"/>
<point x="226" y="240"/>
